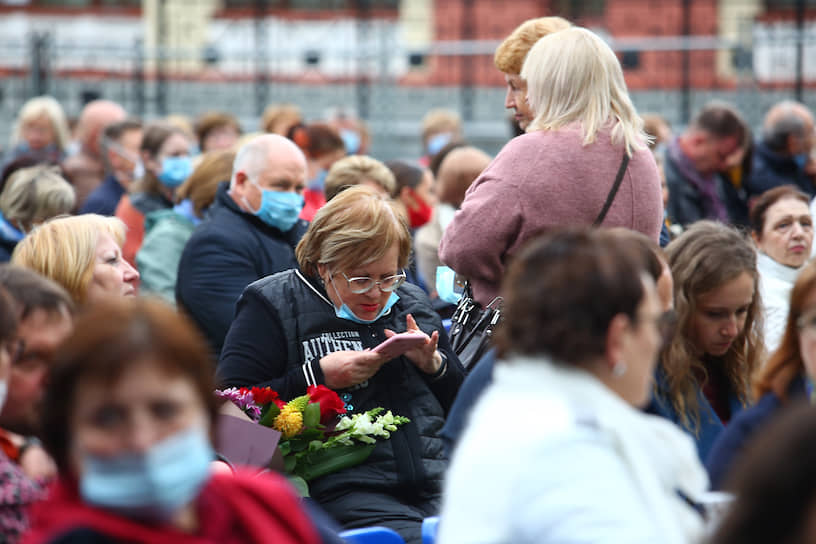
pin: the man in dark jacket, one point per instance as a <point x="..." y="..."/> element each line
<point x="120" y="147"/>
<point x="782" y="156"/>
<point x="251" y="233"/>
<point x="693" y="160"/>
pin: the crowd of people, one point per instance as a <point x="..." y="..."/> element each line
<point x="657" y="340"/>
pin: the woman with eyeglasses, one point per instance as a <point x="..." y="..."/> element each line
<point x="319" y="324"/>
<point x="703" y="379"/>
<point x="786" y="377"/>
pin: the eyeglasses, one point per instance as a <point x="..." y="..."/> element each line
<point x="362" y="285"/>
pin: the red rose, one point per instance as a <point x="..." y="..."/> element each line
<point x="265" y="395"/>
<point x="330" y="404"/>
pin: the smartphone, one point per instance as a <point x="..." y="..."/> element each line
<point x="400" y="343"/>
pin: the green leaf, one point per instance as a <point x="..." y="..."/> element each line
<point x="284" y="448"/>
<point x="311" y="415"/>
<point x="269" y="414"/>
<point x="289" y="463"/>
<point x="300" y="485"/>
<point x="297" y="444"/>
<point x="315" y="445"/>
<point x="324" y="462"/>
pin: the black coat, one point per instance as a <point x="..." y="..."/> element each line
<point x="285" y="323"/>
<point x="226" y="253"/>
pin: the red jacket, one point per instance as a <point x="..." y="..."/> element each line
<point x="240" y="509"/>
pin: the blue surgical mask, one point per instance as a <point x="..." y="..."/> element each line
<point x="446" y="285"/>
<point x="351" y="141"/>
<point x="153" y="485"/>
<point x="438" y="141"/>
<point x="279" y="209"/>
<point x="175" y="170"/>
<point x="344" y="312"/>
<point x="801" y="160"/>
<point x="319" y="181"/>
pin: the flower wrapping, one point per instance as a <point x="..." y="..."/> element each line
<point x="317" y="437"/>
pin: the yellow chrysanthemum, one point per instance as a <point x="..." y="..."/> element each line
<point x="289" y="422"/>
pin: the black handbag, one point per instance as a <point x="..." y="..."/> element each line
<point x="472" y="326"/>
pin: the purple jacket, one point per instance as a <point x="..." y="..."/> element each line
<point x="546" y="179"/>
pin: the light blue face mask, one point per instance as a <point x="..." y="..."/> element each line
<point x="801" y="160"/>
<point x="446" y="285"/>
<point x="437" y="142"/>
<point x="344" y="312"/>
<point x="351" y="141"/>
<point x="319" y="181"/>
<point x="279" y="209"/>
<point x="175" y="170"/>
<point x="153" y="485"/>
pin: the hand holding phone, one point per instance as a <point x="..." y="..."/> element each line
<point x="400" y="343"/>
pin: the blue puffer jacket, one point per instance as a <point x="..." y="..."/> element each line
<point x="226" y="253"/>
<point x="710" y="425"/>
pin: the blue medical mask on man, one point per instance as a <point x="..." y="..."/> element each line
<point x="152" y="485"/>
<point x="175" y="170"/>
<point x="279" y="209"/>
<point x="344" y="312"/>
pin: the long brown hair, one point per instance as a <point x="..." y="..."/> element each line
<point x="786" y="362"/>
<point x="705" y="257"/>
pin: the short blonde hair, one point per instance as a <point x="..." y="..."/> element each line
<point x="64" y="250"/>
<point x="573" y="76"/>
<point x="354" y="170"/>
<point x="50" y="108"/>
<point x="355" y="228"/>
<point x="35" y="194"/>
<point x="279" y="118"/>
<point x="440" y="120"/>
<point x="510" y="54"/>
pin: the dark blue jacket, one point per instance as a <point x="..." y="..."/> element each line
<point x="710" y="425"/>
<point x="770" y="169"/>
<point x="104" y="199"/>
<point x="480" y="376"/>
<point x="739" y="431"/>
<point x="226" y="253"/>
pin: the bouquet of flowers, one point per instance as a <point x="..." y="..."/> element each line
<point x="317" y="438"/>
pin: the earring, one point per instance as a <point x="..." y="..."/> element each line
<point x="619" y="369"/>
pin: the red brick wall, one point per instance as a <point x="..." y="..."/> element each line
<point x="495" y="19"/>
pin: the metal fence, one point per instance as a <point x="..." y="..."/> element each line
<point x="357" y="58"/>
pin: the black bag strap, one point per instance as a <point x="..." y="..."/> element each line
<point x="613" y="191"/>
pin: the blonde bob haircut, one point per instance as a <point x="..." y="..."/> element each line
<point x="510" y="54"/>
<point x="355" y="228"/>
<point x="64" y="250"/>
<point x="573" y="76"/>
<point x="355" y="170"/>
<point x="35" y="194"/>
<point x="48" y="107"/>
